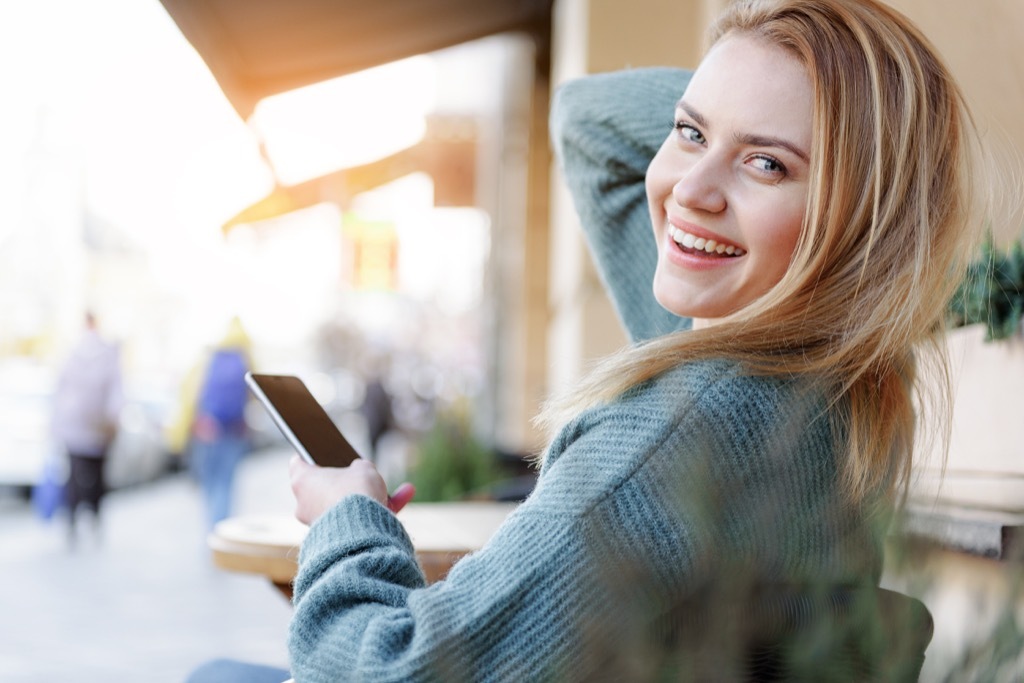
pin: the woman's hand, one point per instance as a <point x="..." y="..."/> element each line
<point x="318" y="489"/>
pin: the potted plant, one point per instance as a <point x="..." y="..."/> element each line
<point x="993" y="291"/>
<point x="451" y="462"/>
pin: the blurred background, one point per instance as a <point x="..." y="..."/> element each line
<point x="367" y="190"/>
<point x="350" y="225"/>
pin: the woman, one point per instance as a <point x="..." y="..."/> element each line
<point x="809" y="209"/>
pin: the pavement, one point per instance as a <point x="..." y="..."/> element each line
<point x="141" y="600"/>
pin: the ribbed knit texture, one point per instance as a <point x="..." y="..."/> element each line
<point x="697" y="479"/>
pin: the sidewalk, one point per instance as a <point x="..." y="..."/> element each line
<point x="143" y="602"/>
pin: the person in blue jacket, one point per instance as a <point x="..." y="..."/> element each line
<point x="219" y="431"/>
<point x="780" y="232"/>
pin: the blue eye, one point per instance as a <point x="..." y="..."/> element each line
<point x="688" y="132"/>
<point x="768" y="165"/>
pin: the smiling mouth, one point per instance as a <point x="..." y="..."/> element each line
<point x="698" y="245"/>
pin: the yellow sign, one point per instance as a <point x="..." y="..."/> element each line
<point x="372" y="250"/>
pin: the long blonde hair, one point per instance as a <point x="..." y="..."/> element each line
<point x="886" y="236"/>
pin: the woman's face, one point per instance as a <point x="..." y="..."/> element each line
<point x="727" y="190"/>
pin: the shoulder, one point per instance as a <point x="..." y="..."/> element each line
<point x="694" y="393"/>
<point x="734" y="401"/>
<point x="733" y="413"/>
<point x="705" y="417"/>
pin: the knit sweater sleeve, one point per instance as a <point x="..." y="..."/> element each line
<point x="640" y="504"/>
<point x="605" y="129"/>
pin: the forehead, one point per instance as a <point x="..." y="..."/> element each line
<point x="753" y="86"/>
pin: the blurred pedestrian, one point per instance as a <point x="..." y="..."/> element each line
<point x="220" y="437"/>
<point x="376" y="410"/>
<point x="86" y="409"/>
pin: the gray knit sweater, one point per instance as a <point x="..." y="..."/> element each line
<point x="699" y="479"/>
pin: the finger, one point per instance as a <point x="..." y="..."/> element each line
<point x="402" y="495"/>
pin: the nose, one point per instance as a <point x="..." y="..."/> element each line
<point x="701" y="186"/>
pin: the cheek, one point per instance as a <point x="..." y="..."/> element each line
<point x="780" y="236"/>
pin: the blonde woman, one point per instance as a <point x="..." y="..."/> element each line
<point x="780" y="232"/>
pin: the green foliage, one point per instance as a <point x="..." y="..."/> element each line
<point x="992" y="293"/>
<point x="452" y="463"/>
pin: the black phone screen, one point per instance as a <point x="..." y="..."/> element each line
<point x="302" y="419"/>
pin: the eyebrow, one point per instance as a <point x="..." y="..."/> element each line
<point x="747" y="138"/>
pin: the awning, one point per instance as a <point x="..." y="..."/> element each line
<point x="257" y="48"/>
<point x="447" y="153"/>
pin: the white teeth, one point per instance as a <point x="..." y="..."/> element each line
<point x="689" y="241"/>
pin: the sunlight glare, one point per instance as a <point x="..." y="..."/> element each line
<point x="346" y="121"/>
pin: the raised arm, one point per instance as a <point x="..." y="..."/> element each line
<point x="606" y="129"/>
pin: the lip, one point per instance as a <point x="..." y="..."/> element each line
<point x="698" y="231"/>
<point x="692" y="261"/>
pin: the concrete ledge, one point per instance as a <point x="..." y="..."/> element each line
<point x="986" y="533"/>
<point x="975" y="512"/>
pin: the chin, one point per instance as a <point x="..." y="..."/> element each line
<point x="686" y="308"/>
<point x="676" y="306"/>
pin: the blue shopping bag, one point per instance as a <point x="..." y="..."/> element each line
<point x="48" y="494"/>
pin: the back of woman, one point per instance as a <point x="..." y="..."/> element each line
<point x="780" y="231"/>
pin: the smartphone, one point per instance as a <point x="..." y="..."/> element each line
<point x="302" y="419"/>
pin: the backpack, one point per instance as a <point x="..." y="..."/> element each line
<point x="224" y="393"/>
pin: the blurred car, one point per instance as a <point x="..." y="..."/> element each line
<point x="25" y="443"/>
<point x="139" y="453"/>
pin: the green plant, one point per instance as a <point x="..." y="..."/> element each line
<point x="992" y="292"/>
<point x="451" y="462"/>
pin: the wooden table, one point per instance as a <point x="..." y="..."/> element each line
<point x="442" y="533"/>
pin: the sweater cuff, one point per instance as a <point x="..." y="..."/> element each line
<point x="355" y="517"/>
<point x="359" y="542"/>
